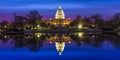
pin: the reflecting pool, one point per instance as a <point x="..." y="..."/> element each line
<point x="60" y="46"/>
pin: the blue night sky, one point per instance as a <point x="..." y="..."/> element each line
<point x="47" y="8"/>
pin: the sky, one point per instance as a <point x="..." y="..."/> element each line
<point x="48" y="8"/>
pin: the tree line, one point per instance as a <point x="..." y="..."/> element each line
<point x="95" y="21"/>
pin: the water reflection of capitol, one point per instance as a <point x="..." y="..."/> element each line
<point x="34" y="41"/>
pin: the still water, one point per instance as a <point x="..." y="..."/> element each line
<point x="60" y="46"/>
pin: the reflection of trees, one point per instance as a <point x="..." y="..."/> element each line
<point x="95" y="41"/>
<point x="115" y="22"/>
<point x="5" y="38"/>
<point x="19" y="41"/>
<point x="76" y="39"/>
<point x="114" y="39"/>
<point x="34" y="43"/>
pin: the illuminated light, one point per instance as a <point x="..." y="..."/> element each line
<point x="38" y="35"/>
<point x="55" y="37"/>
<point x="93" y="36"/>
<point x="38" y="26"/>
<point x="80" y="34"/>
<point x="50" y="42"/>
<point x="79" y="26"/>
<point x="55" y="23"/>
<point x="5" y="26"/>
<point x="93" y="25"/>
<point x="66" y="23"/>
<point x="28" y="36"/>
<point x="69" y="42"/>
<point x="5" y="36"/>
<point x="50" y="18"/>
<point x="28" y="26"/>
<point x="69" y="18"/>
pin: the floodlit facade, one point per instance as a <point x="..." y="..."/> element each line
<point x="59" y="18"/>
<point x="60" y="14"/>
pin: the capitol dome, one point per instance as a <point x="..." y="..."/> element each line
<point x="60" y="14"/>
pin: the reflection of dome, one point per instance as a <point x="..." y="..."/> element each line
<point x="60" y="47"/>
<point x="60" y="14"/>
